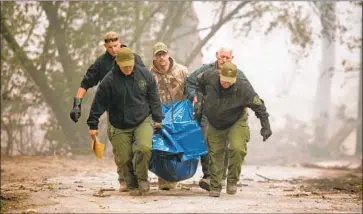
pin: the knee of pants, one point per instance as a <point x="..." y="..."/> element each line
<point x="122" y="159"/>
<point x="144" y="149"/>
<point x="241" y="148"/>
<point x="216" y="151"/>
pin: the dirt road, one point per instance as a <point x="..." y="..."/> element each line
<point x="72" y="185"/>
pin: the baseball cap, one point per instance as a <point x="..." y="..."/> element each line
<point x="228" y="72"/>
<point x="125" y="57"/>
<point x="160" y="47"/>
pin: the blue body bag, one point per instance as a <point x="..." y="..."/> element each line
<point x="177" y="147"/>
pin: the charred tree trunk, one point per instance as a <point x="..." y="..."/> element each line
<point x="323" y="92"/>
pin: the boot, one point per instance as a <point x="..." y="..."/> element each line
<point x="231" y="189"/>
<point x="214" y="193"/>
<point x="135" y="192"/>
<point x="123" y="187"/>
<point x="144" y="186"/>
<point x="204" y="183"/>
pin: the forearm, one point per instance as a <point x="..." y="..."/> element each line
<point x="100" y="104"/>
<point x="93" y="120"/>
<point x="155" y="103"/>
<point x="94" y="115"/>
<point x="155" y="106"/>
<point x="191" y="86"/>
<point x="157" y="114"/>
<point x="92" y="77"/>
<point x="258" y="106"/>
<point x="81" y="92"/>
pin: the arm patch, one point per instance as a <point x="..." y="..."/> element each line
<point x="256" y="100"/>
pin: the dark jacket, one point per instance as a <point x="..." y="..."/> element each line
<point x="127" y="99"/>
<point x="98" y="70"/>
<point x="192" y="82"/>
<point x="223" y="107"/>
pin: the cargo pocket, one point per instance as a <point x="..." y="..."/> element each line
<point x="246" y="132"/>
<point x="110" y="131"/>
<point x="243" y="122"/>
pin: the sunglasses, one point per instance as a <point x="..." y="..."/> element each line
<point x="111" y="40"/>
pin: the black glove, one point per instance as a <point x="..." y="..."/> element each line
<point x="265" y="130"/>
<point x="197" y="111"/>
<point x="157" y="130"/>
<point x="76" y="111"/>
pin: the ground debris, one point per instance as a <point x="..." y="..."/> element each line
<point x="289" y="190"/>
<point x="269" y="179"/>
<point x="30" y="211"/>
<point x="101" y="192"/>
<point x="186" y="187"/>
<point x="298" y="195"/>
<point x="98" y="194"/>
<point x="349" y="183"/>
<point x="2" y="197"/>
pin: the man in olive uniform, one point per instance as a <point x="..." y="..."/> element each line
<point x="96" y="72"/>
<point x="130" y="96"/>
<point x="226" y="96"/>
<point x="223" y="55"/>
<point x="170" y="77"/>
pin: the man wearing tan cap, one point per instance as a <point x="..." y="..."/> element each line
<point x="130" y="96"/>
<point x="170" y="77"/>
<point x="226" y="98"/>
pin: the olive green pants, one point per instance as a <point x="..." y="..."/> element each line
<point x="132" y="159"/>
<point x="238" y="135"/>
<point x="110" y="130"/>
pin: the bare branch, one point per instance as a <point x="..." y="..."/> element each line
<point x="47" y="39"/>
<point x="171" y="8"/>
<point x="223" y="10"/>
<point x="213" y="31"/>
<point x="314" y="5"/>
<point x="174" y="22"/>
<point x="40" y="80"/>
<point x="137" y="23"/>
<point x="189" y="33"/>
<point x="51" y="11"/>
<point x="140" y="29"/>
<point x="32" y="27"/>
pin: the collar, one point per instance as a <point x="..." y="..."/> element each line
<point x="118" y="71"/>
<point x="108" y="55"/>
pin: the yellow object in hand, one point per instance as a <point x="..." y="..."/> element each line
<point x="98" y="147"/>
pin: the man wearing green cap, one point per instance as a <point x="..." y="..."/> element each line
<point x="96" y="72"/>
<point x="130" y="96"/>
<point x="226" y="97"/>
<point x="224" y="54"/>
<point x="170" y="77"/>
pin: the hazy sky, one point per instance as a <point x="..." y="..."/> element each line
<point x="268" y="65"/>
